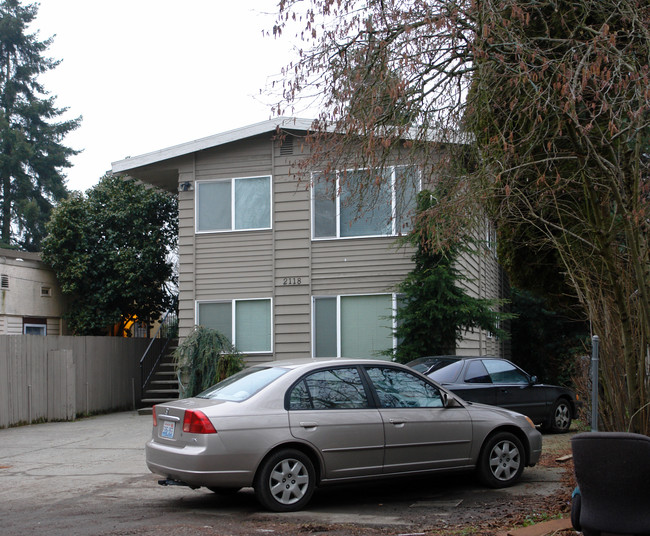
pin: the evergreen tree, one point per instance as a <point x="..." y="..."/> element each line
<point x="436" y="309"/>
<point x="32" y="155"/>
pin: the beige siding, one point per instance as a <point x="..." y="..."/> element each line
<point x="13" y="325"/>
<point x="54" y="326"/>
<point x="233" y="265"/>
<point x="292" y="258"/>
<point x="358" y="266"/>
<point x="486" y="279"/>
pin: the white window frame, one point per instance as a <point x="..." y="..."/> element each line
<point x="233" y="318"/>
<point x="394" y="301"/>
<point x="490" y="236"/>
<point x="232" y="205"/>
<point x="393" y="193"/>
<point x="42" y="328"/>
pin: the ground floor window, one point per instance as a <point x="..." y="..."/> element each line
<point x="34" y="326"/>
<point x="247" y="323"/>
<point x="353" y="326"/>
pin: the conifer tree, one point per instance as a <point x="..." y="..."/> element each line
<point x="32" y="155"/>
<point x="436" y="309"/>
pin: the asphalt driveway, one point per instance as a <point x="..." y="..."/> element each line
<point x="89" y="477"/>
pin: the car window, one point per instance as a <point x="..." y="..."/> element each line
<point x="504" y="372"/>
<point x="446" y="371"/>
<point x="244" y="384"/>
<point x="401" y="389"/>
<point x="339" y="388"/>
<point x="477" y="373"/>
<point x="421" y="365"/>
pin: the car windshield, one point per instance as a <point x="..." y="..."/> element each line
<point x="244" y="384"/>
<point x="445" y="370"/>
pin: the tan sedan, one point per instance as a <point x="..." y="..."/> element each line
<point x="286" y="427"/>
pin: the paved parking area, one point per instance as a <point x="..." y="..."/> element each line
<point x="89" y="477"/>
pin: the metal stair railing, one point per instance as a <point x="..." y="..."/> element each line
<point x="167" y="330"/>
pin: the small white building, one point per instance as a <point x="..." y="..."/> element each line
<point x="31" y="302"/>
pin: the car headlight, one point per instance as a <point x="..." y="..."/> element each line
<point x="529" y="421"/>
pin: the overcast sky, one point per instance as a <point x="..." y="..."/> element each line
<point x="149" y="74"/>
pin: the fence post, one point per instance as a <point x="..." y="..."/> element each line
<point x="594" y="383"/>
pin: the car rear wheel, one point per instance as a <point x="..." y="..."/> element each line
<point x="285" y="481"/>
<point x="560" y="416"/>
<point x="502" y="460"/>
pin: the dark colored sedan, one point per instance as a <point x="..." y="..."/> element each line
<point x="498" y="382"/>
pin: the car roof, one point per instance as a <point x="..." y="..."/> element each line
<point x="304" y="362"/>
<point x="454" y="358"/>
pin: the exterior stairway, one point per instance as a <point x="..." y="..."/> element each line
<point x="157" y="371"/>
<point x="163" y="386"/>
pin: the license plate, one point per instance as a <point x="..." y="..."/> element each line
<point x="168" y="430"/>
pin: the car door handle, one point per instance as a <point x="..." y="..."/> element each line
<point x="397" y="422"/>
<point x="307" y="424"/>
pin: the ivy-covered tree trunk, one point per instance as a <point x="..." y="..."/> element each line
<point x="32" y="156"/>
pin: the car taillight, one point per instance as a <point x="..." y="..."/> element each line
<point x="155" y="418"/>
<point x="195" y="422"/>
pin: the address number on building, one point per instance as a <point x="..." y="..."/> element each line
<point x="294" y="281"/>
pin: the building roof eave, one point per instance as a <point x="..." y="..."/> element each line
<point x="131" y="163"/>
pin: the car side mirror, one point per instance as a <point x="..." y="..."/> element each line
<point x="449" y="401"/>
<point x="533" y="380"/>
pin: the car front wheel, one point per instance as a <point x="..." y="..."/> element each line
<point x="502" y="460"/>
<point x="560" y="416"/>
<point x="285" y="481"/>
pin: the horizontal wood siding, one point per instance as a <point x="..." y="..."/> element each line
<point x="54" y="326"/>
<point x="247" y="158"/>
<point x="13" y="325"/>
<point x="485" y="279"/>
<point x="292" y="261"/>
<point x="358" y="266"/>
<point x="233" y="265"/>
<point x="228" y="265"/>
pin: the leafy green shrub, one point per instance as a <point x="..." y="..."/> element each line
<point x="208" y="357"/>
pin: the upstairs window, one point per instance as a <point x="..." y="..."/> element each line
<point x="350" y="204"/>
<point x="238" y="204"/>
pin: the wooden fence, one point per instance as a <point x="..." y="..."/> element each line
<point x="59" y="377"/>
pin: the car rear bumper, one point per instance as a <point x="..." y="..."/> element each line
<point x="199" y="468"/>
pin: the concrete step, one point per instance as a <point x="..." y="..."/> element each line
<point x="165" y="372"/>
<point x="172" y="381"/>
<point x="157" y="400"/>
<point x="162" y="373"/>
